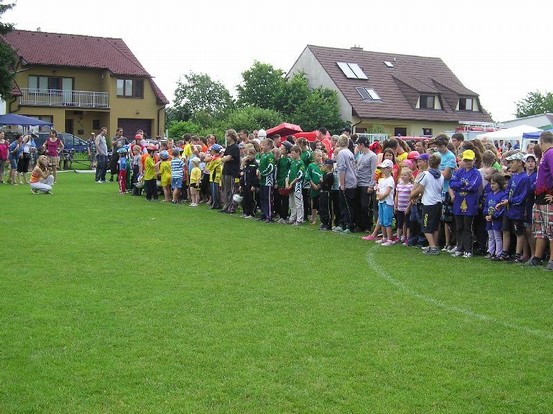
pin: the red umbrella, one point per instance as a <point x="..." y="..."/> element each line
<point x="310" y="136"/>
<point x="284" y="130"/>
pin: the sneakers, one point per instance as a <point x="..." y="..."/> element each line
<point x="248" y="217"/>
<point x="467" y="255"/>
<point x="381" y="241"/>
<point x="34" y="191"/>
<point x="446" y="249"/>
<point x="387" y="243"/>
<point x="452" y="249"/>
<point x="549" y="265"/>
<point x="534" y="262"/>
<point x="370" y="237"/>
<point x="457" y="254"/>
<point x="297" y="223"/>
<point x="432" y="251"/>
<point x="503" y="257"/>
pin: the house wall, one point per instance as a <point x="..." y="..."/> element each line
<point x="85" y="119"/>
<point x="538" y="121"/>
<point x="414" y="128"/>
<point x="318" y="77"/>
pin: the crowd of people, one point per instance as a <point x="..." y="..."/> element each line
<point x="445" y="195"/>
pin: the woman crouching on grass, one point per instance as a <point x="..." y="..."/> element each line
<point x="41" y="179"/>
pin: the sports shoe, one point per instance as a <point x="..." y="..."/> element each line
<point x="489" y="256"/>
<point x="425" y="249"/>
<point x="432" y="251"/>
<point x="297" y="223"/>
<point x="34" y="191"/>
<point x="467" y="255"/>
<point x="248" y="217"/>
<point x="549" y="265"/>
<point x="346" y="231"/>
<point x="381" y="241"/>
<point x="534" y="262"/>
<point x="446" y="249"/>
<point x="369" y="237"/>
<point x="503" y="257"/>
<point x="452" y="249"/>
<point x="457" y="254"/>
<point x="387" y="243"/>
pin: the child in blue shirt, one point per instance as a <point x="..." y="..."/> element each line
<point x="494" y="216"/>
<point x="513" y="219"/>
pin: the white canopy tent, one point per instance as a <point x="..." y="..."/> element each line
<point x="512" y="135"/>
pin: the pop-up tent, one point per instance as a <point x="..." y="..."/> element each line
<point x="16" y="119"/>
<point x="284" y="130"/>
<point x="509" y="134"/>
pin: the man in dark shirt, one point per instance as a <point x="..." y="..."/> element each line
<point x="231" y="170"/>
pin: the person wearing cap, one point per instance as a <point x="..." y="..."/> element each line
<point x="266" y="179"/>
<point x="177" y="174"/>
<point x="532" y="173"/>
<point x="164" y="170"/>
<point x="465" y="185"/>
<point x="385" y="196"/>
<point x="123" y="167"/>
<point x="542" y="212"/>
<point x="366" y="166"/>
<point x="150" y="185"/>
<point x="517" y="189"/>
<point x="428" y="188"/>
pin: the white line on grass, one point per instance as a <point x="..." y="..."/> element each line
<point x="439" y="304"/>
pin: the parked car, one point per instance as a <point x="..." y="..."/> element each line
<point x="70" y="141"/>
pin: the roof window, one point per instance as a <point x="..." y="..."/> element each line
<point x="368" y="94"/>
<point x="352" y="70"/>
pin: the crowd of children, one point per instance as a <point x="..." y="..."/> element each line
<point x="454" y="196"/>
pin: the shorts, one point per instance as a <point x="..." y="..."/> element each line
<point x="54" y="161"/>
<point x="385" y="214"/>
<point x="431" y="216"/>
<point x="542" y="226"/>
<point x="513" y="225"/>
<point x="176" y="183"/>
<point x="447" y="208"/>
<point x="315" y="202"/>
<point x="13" y="163"/>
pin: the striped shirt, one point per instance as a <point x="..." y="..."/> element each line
<point x="403" y="193"/>
<point x="177" y="167"/>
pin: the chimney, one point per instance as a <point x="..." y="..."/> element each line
<point x="356" y="47"/>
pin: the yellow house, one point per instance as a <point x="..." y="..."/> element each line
<point x="83" y="83"/>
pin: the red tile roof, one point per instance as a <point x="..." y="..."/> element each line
<point x="399" y="86"/>
<point x="79" y="51"/>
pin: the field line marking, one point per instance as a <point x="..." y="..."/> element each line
<point x="442" y="305"/>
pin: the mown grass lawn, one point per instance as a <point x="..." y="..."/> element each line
<point x="111" y="304"/>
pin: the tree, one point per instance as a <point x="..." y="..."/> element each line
<point x="251" y="118"/>
<point x="8" y="58"/>
<point x="262" y="85"/>
<point x="200" y="93"/>
<point x="535" y="103"/>
<point x="293" y="94"/>
<point x="319" y="109"/>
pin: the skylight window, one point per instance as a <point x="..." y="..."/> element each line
<point x="368" y="94"/>
<point x="352" y="70"/>
<point x="388" y="63"/>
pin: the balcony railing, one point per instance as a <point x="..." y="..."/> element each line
<point x="58" y="97"/>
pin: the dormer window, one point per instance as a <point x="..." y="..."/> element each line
<point x="428" y="102"/>
<point x="465" y="104"/>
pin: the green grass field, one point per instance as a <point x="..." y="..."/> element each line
<point x="111" y="304"/>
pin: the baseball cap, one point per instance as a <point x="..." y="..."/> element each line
<point x="413" y="155"/>
<point x="386" y="164"/>
<point x="517" y="156"/>
<point x="468" y="155"/>
<point x="424" y="157"/>
<point x="530" y="156"/>
<point x="216" y="148"/>
<point x="329" y="162"/>
<point x="262" y="133"/>
<point x="163" y="155"/>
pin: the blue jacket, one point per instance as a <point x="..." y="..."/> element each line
<point x="517" y="191"/>
<point x="465" y="184"/>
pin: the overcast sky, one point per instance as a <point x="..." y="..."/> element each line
<point x="499" y="49"/>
